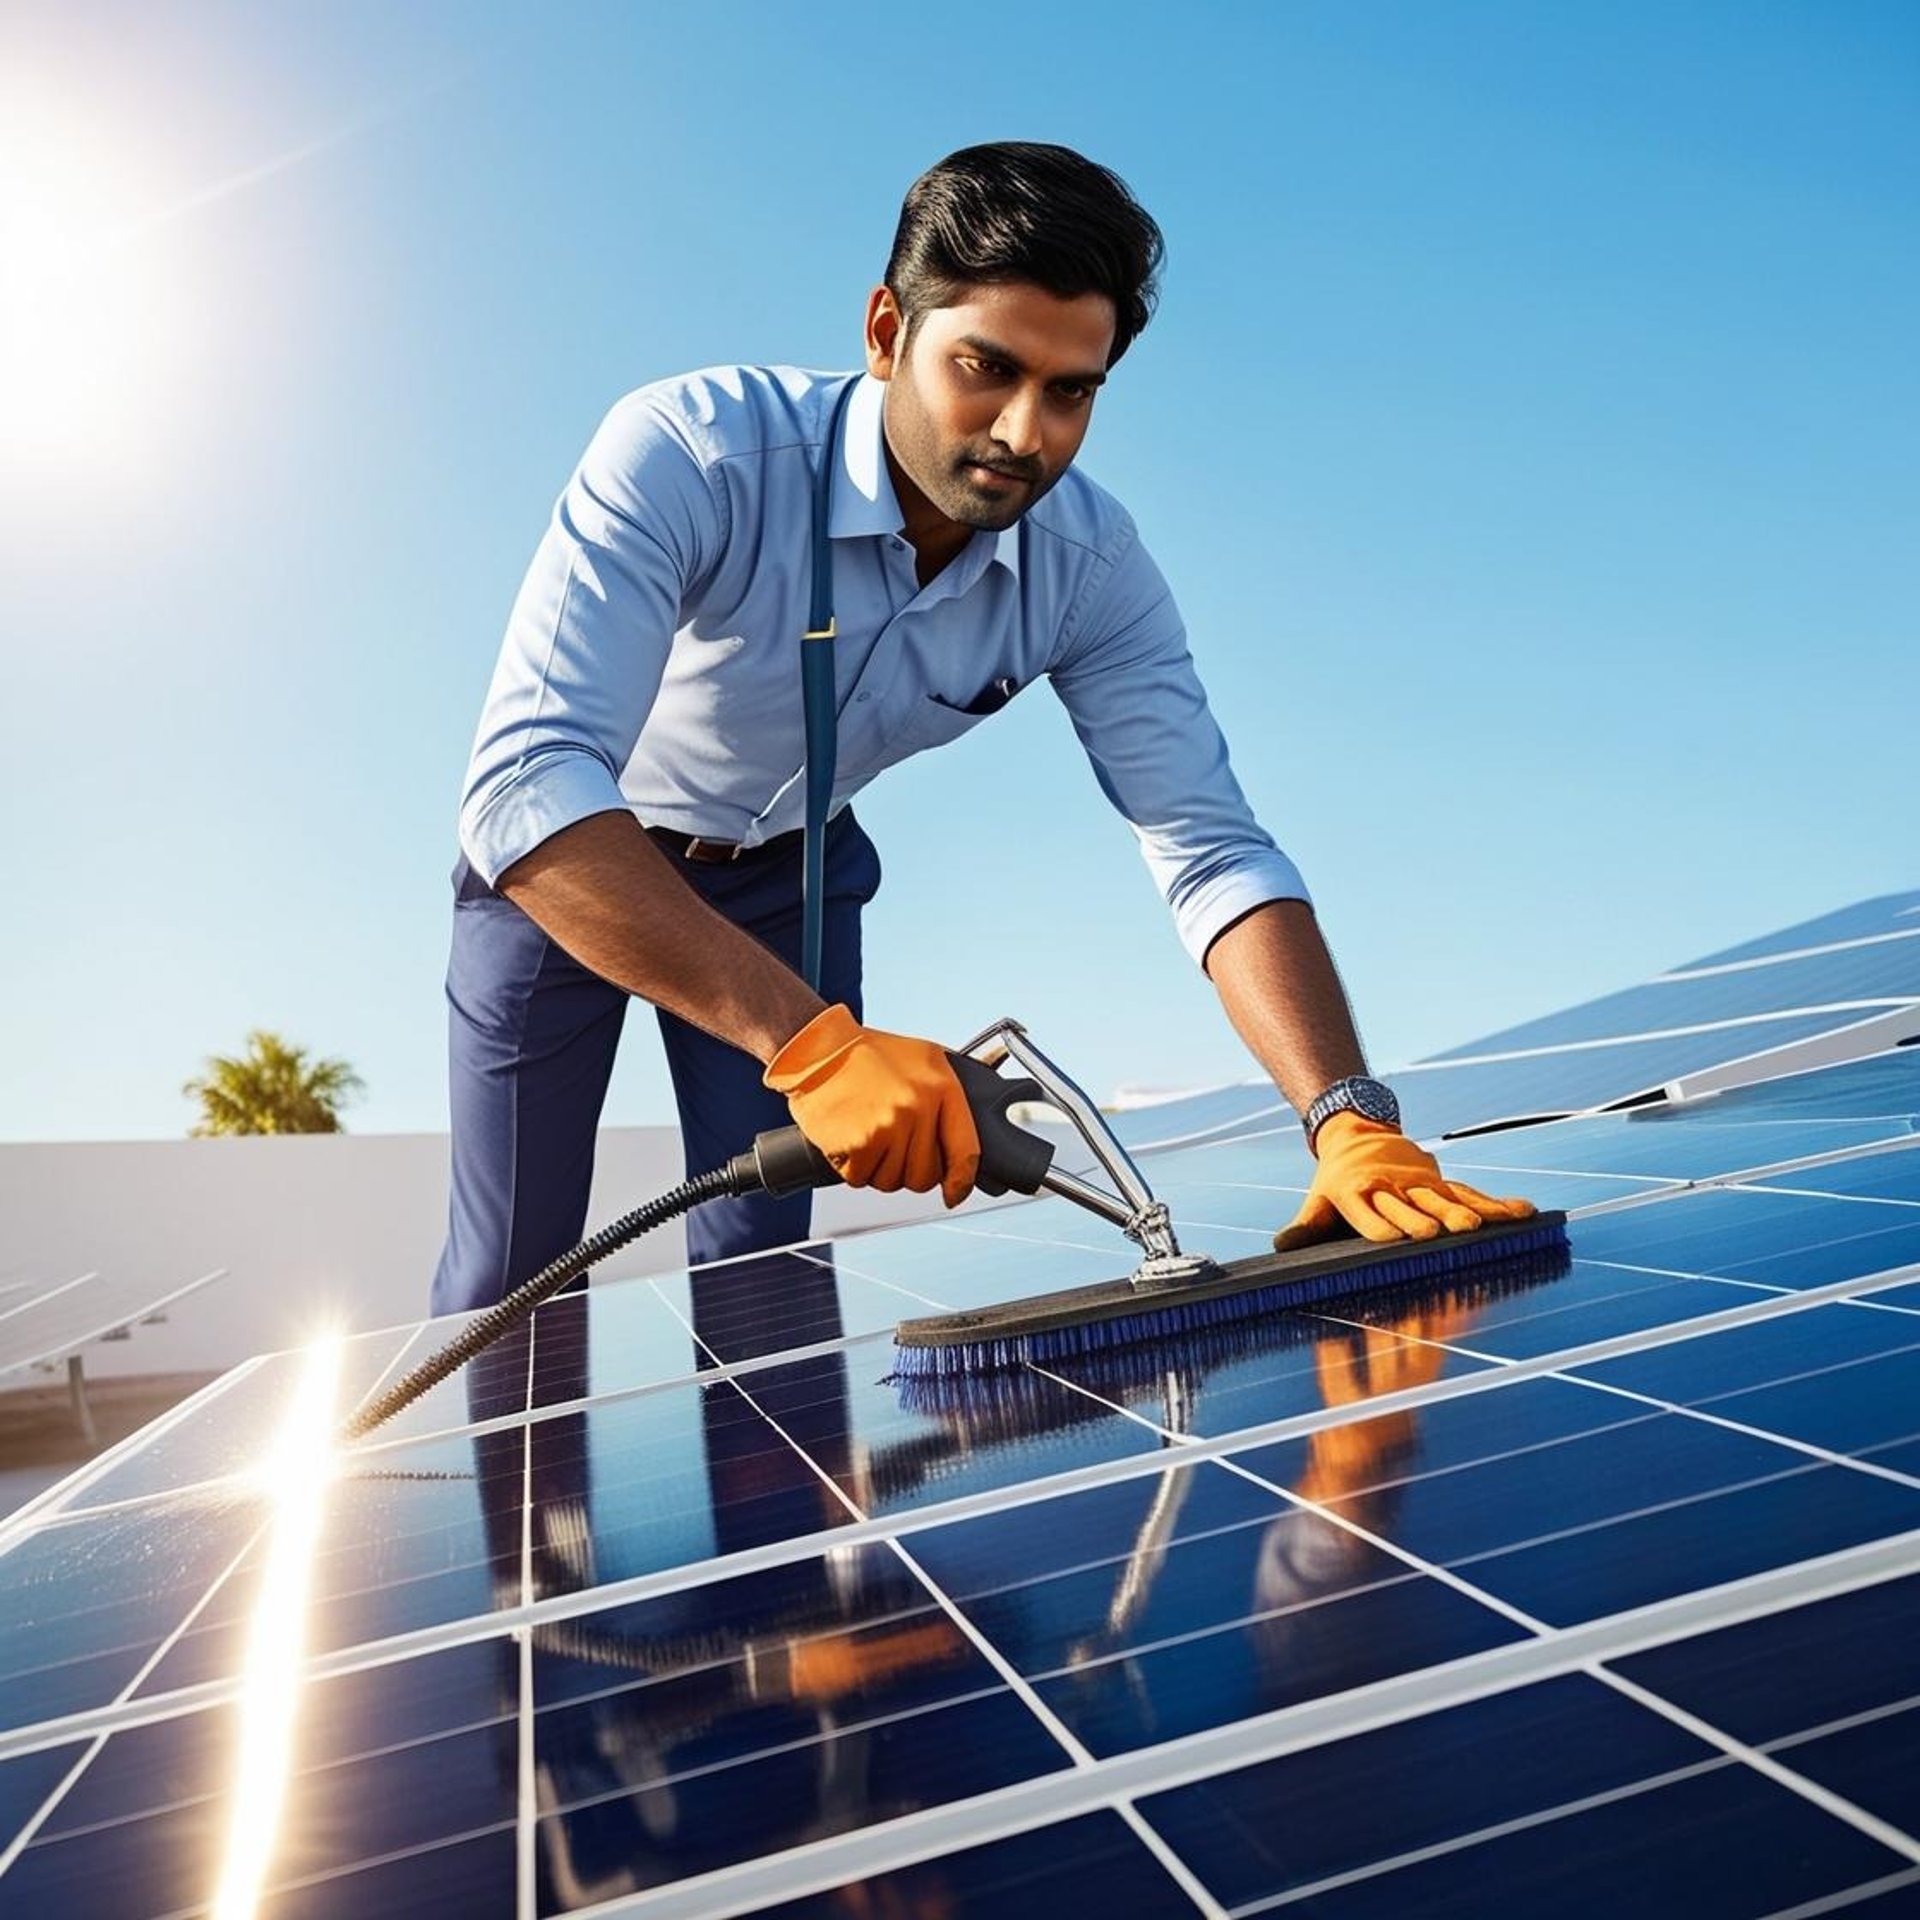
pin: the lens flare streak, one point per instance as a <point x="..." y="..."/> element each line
<point x="296" y="1478"/>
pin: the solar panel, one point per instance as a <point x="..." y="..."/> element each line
<point x="60" y="1319"/>
<point x="1563" y="1595"/>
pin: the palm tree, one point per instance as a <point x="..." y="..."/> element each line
<point x="271" y="1088"/>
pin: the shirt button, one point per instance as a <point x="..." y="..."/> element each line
<point x="863" y="696"/>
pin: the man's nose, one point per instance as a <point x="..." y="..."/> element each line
<point x="1018" y="427"/>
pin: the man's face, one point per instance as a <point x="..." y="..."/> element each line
<point x="988" y="401"/>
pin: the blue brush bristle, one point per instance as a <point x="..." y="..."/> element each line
<point x="1170" y="1317"/>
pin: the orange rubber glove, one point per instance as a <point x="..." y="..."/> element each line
<point x="887" y="1110"/>
<point x="1373" y="1181"/>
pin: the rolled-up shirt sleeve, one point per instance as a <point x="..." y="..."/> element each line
<point x="1129" y="686"/>
<point x="589" y="635"/>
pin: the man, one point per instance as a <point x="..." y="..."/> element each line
<point x="632" y="818"/>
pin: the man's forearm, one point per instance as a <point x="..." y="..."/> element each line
<point x="608" y="895"/>
<point x="1277" y="981"/>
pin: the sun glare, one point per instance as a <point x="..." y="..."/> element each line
<point x="295" y="1478"/>
<point x="91" y="297"/>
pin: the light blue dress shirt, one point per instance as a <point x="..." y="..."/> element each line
<point x="652" y="661"/>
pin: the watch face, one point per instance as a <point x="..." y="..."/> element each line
<point x="1370" y="1099"/>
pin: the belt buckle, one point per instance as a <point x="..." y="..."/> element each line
<point x="711" y="853"/>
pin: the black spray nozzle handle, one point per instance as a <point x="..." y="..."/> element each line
<point x="1012" y="1160"/>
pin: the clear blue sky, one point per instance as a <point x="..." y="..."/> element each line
<point x="1528" y="430"/>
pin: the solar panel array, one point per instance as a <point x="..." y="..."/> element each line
<point x="1561" y="1597"/>
<point x="43" y="1323"/>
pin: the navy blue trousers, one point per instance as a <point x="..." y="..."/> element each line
<point x="532" y="1037"/>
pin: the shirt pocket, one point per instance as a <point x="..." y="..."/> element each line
<point x="933" y="721"/>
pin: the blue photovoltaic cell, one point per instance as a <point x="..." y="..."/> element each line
<point x="1798" y="1514"/>
<point x="1777" y="1239"/>
<point x="1821" y="1343"/>
<point x="1340" y="1808"/>
<point x="86" y="1605"/>
<point x="1665" y="1143"/>
<point x="1859" y="1104"/>
<point x="1444" y="1098"/>
<point x="1094" y="1864"/>
<point x="1865" y="920"/>
<point x="1873" y="1176"/>
<point x="218" y="1438"/>
<point x="1590" y="1302"/>
<point x="26" y="1781"/>
<point x="1220" y="1109"/>
<point x="681" y="1578"/>
<point x="385" y="1800"/>
<point x="639" y="1826"/>
<point x="1582" y="1482"/>
<point x="1801" y="1670"/>
<point x="1887" y="973"/>
<point x="1725" y="1844"/>
<point x="1317" y="1640"/>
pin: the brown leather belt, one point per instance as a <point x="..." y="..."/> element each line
<point x="719" y="853"/>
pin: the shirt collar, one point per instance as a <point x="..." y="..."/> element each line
<point x="864" y="502"/>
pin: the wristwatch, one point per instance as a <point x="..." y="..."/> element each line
<point x="1370" y="1099"/>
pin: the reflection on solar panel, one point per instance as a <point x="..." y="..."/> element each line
<point x="1572" y="1597"/>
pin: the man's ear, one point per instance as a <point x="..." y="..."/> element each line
<point x="886" y="333"/>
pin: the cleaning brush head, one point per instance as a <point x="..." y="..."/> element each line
<point x="1114" y="1316"/>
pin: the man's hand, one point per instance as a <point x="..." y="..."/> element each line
<point x="887" y="1110"/>
<point x="1373" y="1181"/>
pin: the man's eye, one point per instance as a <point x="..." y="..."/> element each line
<point x="1073" y="392"/>
<point x="985" y="369"/>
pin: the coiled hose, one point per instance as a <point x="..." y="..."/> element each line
<point x="722" y="1183"/>
<point x="780" y="1162"/>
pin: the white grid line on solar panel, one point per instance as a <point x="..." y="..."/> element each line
<point x="995" y="1500"/>
<point x="840" y="1264"/>
<point x="38" y="1296"/>
<point x="24" y="1838"/>
<point x="1448" y="1575"/>
<point x="1460" y="1843"/>
<point x="124" y="1305"/>
<point x="1777" y="1771"/>
<point x="1733" y="1176"/>
<point x="672" y="1577"/>
<point x="199" y="1910"/>
<point x="1457" y="1060"/>
<point x="1826" y="1454"/>
<point x="1824" y="1193"/>
<point x="1375" y="1869"/>
<point x="1828" y="1573"/>
<point x="1005" y="1497"/>
<point x="1847" y="1897"/>
<point x="1546" y="1816"/>
<point x="1221" y="1129"/>
<point x="1197" y="1757"/>
<point x="1793" y="953"/>
<point x="1492" y="1163"/>
<point x="28" y="1517"/>
<point x="527" y="1807"/>
<point x="61" y="1504"/>
<point x="1009" y="1675"/>
<point x="1847" y="1288"/>
<point x="422" y="1333"/>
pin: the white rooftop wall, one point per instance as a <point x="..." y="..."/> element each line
<point x="337" y="1229"/>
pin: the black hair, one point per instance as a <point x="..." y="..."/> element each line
<point x="1024" y="210"/>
